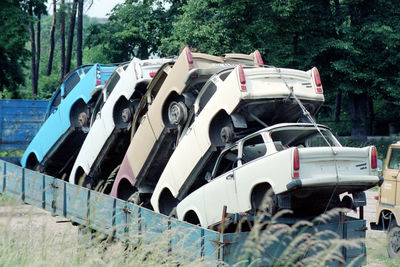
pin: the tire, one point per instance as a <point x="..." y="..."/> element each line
<point x="83" y="119"/>
<point x="123" y="113"/>
<point x="177" y="113"/>
<point x="393" y="240"/>
<point x="79" y="115"/>
<point x="221" y="130"/>
<point x="264" y="200"/>
<point x="226" y="135"/>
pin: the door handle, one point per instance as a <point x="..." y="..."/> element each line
<point x="230" y="177"/>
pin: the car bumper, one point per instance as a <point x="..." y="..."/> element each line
<point x="342" y="184"/>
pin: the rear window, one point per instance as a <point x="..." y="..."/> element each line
<point x="72" y="81"/>
<point x="302" y="137"/>
<point x="112" y="82"/>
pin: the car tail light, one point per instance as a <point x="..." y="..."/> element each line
<point x="296" y="163"/>
<point x="259" y="58"/>
<point x="317" y="81"/>
<point x="152" y="74"/>
<point x="242" y="78"/>
<point x="374" y="158"/>
<point x="376" y="197"/>
<point x="189" y="58"/>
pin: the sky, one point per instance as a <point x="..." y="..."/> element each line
<point x="99" y="9"/>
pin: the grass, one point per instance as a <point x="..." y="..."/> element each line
<point x="35" y="243"/>
<point x="7" y="201"/>
<point x="12" y="153"/>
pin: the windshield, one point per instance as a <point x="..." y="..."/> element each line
<point x="303" y="137"/>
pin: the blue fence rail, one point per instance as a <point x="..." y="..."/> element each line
<point x="135" y="224"/>
<point x="19" y="122"/>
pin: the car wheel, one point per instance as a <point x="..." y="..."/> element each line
<point x="393" y="240"/>
<point x="123" y="113"/>
<point x="83" y="119"/>
<point x="263" y="199"/>
<point x="177" y="113"/>
<point x="226" y="135"/>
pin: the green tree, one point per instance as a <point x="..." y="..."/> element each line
<point x="135" y="28"/>
<point x="12" y="45"/>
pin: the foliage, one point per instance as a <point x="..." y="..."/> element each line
<point x="14" y="35"/>
<point x="135" y="29"/>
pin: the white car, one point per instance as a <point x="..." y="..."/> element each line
<point x="109" y="134"/>
<point x="232" y="104"/>
<point x="292" y="159"/>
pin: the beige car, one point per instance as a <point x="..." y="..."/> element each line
<point x="233" y="104"/>
<point x="158" y="120"/>
<point x="388" y="205"/>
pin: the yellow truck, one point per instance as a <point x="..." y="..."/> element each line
<point x="388" y="201"/>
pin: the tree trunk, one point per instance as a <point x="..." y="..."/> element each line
<point x="79" y="34"/>
<point x="37" y="49"/>
<point x="62" y="33"/>
<point x="360" y="116"/>
<point x="70" y="36"/>
<point x="338" y="105"/>
<point x="33" y="51"/>
<point x="52" y="43"/>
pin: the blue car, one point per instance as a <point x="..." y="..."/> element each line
<point x="55" y="146"/>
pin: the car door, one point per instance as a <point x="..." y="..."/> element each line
<point x="391" y="178"/>
<point x="221" y="191"/>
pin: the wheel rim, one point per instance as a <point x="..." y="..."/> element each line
<point x="226" y="135"/>
<point x="176" y="113"/>
<point x="126" y="115"/>
<point x="82" y="119"/>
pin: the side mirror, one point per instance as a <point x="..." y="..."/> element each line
<point x="208" y="177"/>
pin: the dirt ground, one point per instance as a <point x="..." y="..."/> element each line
<point x="18" y="217"/>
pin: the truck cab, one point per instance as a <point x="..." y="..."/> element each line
<point x="388" y="205"/>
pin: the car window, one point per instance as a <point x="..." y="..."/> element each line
<point x="112" y="82"/>
<point x="253" y="148"/>
<point x="72" y="81"/>
<point x="56" y="100"/>
<point x="208" y="92"/>
<point x="226" y="162"/>
<point x="302" y="137"/>
<point x="394" y="162"/>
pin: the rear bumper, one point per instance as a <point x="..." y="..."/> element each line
<point x="342" y="184"/>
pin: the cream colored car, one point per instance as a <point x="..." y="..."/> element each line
<point x="161" y="114"/>
<point x="304" y="167"/>
<point x="233" y="104"/>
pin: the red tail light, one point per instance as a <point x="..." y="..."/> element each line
<point x="296" y="163"/>
<point x="376" y="197"/>
<point x="374" y="158"/>
<point x="317" y="80"/>
<point x="259" y="58"/>
<point x="242" y="78"/>
<point x="152" y="74"/>
<point x="189" y="58"/>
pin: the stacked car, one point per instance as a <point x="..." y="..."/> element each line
<point x="191" y="135"/>
<point x="54" y="148"/>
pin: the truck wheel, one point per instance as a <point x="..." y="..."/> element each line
<point x="393" y="240"/>
<point x="177" y="113"/>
